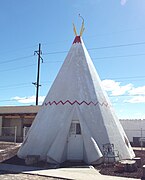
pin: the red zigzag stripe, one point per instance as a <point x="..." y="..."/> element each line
<point x="72" y="103"/>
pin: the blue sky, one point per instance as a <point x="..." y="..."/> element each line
<point x="114" y="36"/>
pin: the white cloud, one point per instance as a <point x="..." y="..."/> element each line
<point x="123" y="2"/>
<point x="115" y="88"/>
<point x="137" y="91"/>
<point x="136" y="99"/>
<point x="109" y="84"/>
<point x="28" y="100"/>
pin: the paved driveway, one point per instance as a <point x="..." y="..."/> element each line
<point x="30" y="173"/>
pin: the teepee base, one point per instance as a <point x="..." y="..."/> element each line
<point x="32" y="159"/>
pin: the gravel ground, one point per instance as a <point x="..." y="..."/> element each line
<point x="110" y="169"/>
<point x="8" y="152"/>
<point x="12" y="176"/>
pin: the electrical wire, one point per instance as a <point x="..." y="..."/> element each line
<point x="16" y="59"/>
<point x="45" y="83"/>
<point x="16" y="85"/>
<point x="130" y="77"/>
<point x="103" y="47"/>
<point x="17" y="68"/>
<point x="117" y="46"/>
<point x="127" y="95"/>
<point x="4" y="100"/>
<point x="120" y="56"/>
<point x="107" y="57"/>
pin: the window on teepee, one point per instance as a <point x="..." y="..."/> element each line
<point x="78" y="128"/>
<point x="75" y="128"/>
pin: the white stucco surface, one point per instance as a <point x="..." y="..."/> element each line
<point x="75" y="94"/>
<point x="133" y="128"/>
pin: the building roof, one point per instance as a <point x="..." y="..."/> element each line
<point x="7" y="110"/>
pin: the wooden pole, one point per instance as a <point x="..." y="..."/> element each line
<point x="38" y="72"/>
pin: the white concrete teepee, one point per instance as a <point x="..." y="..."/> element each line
<point x="76" y="117"/>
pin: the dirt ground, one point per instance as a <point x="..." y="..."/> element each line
<point x="14" y="176"/>
<point x="111" y="170"/>
<point x="8" y="151"/>
<point x="8" y="155"/>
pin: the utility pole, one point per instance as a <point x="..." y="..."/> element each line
<point x="39" y="53"/>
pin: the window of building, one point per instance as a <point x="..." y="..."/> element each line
<point x="75" y="128"/>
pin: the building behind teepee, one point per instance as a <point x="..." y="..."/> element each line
<point x="76" y="117"/>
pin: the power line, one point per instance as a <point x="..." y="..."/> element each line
<point x="26" y="86"/>
<point x="18" y="49"/>
<point x="16" y="59"/>
<point x="97" y="58"/>
<point x="56" y="42"/>
<point x="7" y="100"/>
<point x="117" y="32"/>
<point x="21" y="85"/>
<point x="91" y="36"/>
<point x="120" y="45"/>
<point x="17" y="68"/>
<point x="106" y="57"/>
<point x="130" y="77"/>
<point x="48" y="82"/>
<point x="55" y="52"/>
<point x="15" y="85"/>
<point x="103" y="47"/>
<point x="120" y="56"/>
<point x="97" y="35"/>
<point x="127" y="95"/>
<point x="4" y="100"/>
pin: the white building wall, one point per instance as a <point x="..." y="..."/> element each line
<point x="133" y="128"/>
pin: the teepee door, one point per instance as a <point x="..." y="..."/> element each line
<point x="75" y="142"/>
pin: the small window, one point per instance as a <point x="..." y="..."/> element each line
<point x="78" y="128"/>
<point x="75" y="128"/>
